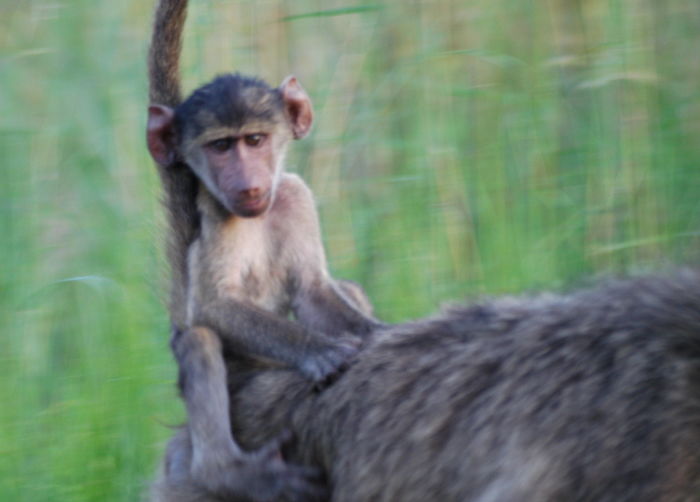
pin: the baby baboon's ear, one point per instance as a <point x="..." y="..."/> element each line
<point x="297" y="107"/>
<point x="159" y="134"/>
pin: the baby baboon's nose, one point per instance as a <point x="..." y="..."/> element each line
<point x="250" y="193"/>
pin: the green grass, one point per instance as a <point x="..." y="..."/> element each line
<point x="460" y="148"/>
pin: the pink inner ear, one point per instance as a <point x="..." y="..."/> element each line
<point x="298" y="106"/>
<point x="159" y="134"/>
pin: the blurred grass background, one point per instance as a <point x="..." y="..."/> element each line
<point x="460" y="148"/>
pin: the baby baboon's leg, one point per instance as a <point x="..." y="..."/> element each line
<point x="208" y="458"/>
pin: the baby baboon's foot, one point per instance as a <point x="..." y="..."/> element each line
<point x="262" y="476"/>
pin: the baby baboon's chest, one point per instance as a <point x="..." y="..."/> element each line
<point x="244" y="265"/>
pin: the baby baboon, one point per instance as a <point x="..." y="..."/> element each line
<point x="591" y="396"/>
<point x="245" y="252"/>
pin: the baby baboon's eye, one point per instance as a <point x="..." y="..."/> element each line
<point x="221" y="145"/>
<point x="253" y="139"/>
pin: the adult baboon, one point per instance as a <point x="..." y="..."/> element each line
<point x="591" y="396"/>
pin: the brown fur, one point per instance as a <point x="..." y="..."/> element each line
<point x="164" y="53"/>
<point x="179" y="183"/>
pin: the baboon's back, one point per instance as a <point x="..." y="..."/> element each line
<point x="593" y="396"/>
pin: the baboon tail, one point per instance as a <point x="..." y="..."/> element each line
<point x="164" y="53"/>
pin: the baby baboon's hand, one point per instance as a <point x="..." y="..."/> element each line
<point x="326" y="361"/>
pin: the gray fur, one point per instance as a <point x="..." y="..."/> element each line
<point x="591" y="396"/>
